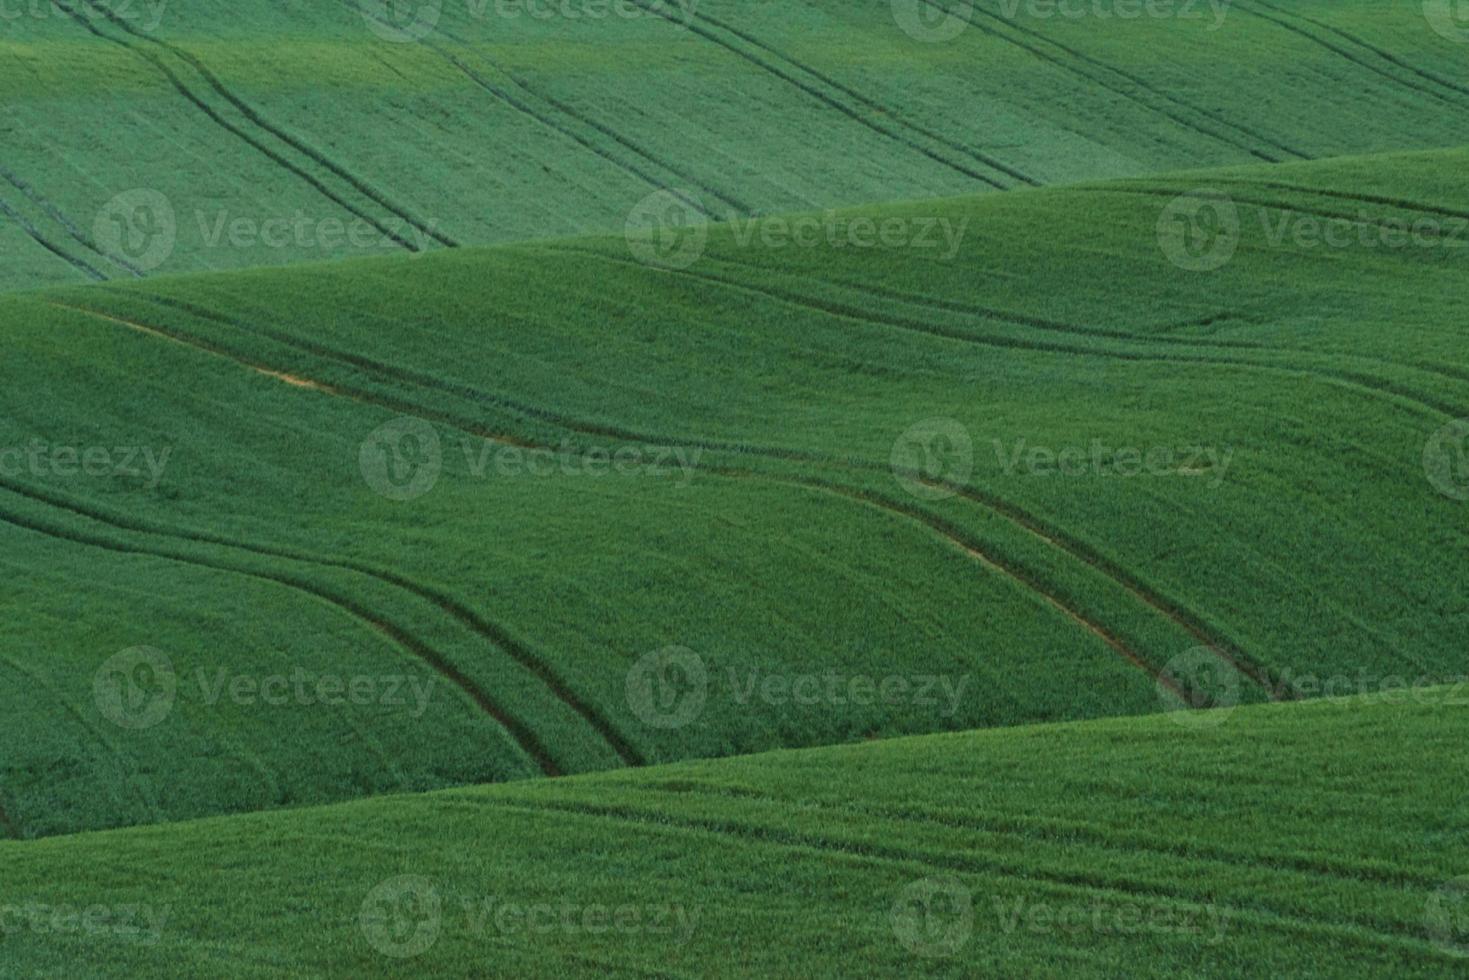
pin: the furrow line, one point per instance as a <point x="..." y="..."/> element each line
<point x="50" y="246"/>
<point x="978" y="156"/>
<point x="820" y="96"/>
<point x="254" y="116"/>
<point x="496" y="635"/>
<point x="527" y="740"/>
<point x="1226" y="650"/>
<point x="229" y="127"/>
<point x="1125" y="93"/>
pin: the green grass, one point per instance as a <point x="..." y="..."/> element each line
<point x="789" y="547"/>
<point x="1312" y="839"/>
<point x="502" y="128"/>
<point x="734" y="489"/>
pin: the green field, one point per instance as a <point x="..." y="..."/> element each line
<point x="787" y="466"/>
<point x="259" y="133"/>
<point x="944" y="855"/>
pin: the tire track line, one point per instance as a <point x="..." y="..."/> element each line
<point x="967" y="861"/>
<point x="1423" y="404"/>
<point x="127" y="771"/>
<point x="1130" y="96"/>
<point x="991" y="162"/>
<point x="527" y="740"/>
<point x="819" y="95"/>
<point x="229" y="127"/>
<point x="1227" y="651"/>
<point x="1382" y="53"/>
<point x="255" y="117"/>
<point x="973" y="549"/>
<point x="60" y="218"/>
<point x="1344" y="53"/>
<point x="483" y="627"/>
<point x="550" y="123"/>
<point x="949" y="531"/>
<point x="40" y="239"/>
<point x="963" y="309"/>
<point x="1061" y="830"/>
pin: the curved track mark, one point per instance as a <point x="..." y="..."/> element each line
<point x="527" y="740"/>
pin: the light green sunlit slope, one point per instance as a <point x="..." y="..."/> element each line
<point x="151" y="138"/>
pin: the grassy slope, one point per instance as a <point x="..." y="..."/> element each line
<point x="1306" y="839"/>
<point x="502" y="128"/>
<point x="796" y="369"/>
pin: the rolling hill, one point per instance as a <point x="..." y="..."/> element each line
<point x="672" y="488"/>
<point x="215" y="135"/>
<point x="603" y="512"/>
<point x="1303" y="839"/>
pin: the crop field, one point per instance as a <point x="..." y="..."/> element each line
<point x="656" y="487"/>
<point x="1056" y="849"/>
<point x="263" y="133"/>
